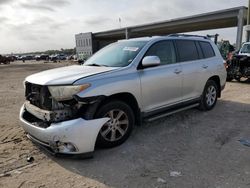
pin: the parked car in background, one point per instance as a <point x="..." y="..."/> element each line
<point x="71" y="109"/>
<point x="71" y="57"/>
<point x="27" y="57"/>
<point x="44" y="57"/>
<point x="245" y="49"/>
<point x="58" y="57"/>
<point x="11" y="58"/>
<point x="238" y="66"/>
<point x="53" y="58"/>
<point x="5" y="60"/>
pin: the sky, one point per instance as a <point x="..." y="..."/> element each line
<point x="38" y="25"/>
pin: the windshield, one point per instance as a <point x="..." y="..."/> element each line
<point x="245" y="48"/>
<point x="119" y="54"/>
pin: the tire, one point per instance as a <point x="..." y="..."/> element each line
<point x="209" y="96"/>
<point x="117" y="130"/>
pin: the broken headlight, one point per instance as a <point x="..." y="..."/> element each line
<point x="62" y="93"/>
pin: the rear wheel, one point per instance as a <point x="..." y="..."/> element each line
<point x="120" y="125"/>
<point x="209" y="96"/>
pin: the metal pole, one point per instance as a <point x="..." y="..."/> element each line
<point x="127" y="33"/>
<point x="240" y="29"/>
<point x="248" y="23"/>
<point x="248" y="15"/>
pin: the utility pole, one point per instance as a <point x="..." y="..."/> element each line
<point x="120" y="22"/>
<point x="248" y="23"/>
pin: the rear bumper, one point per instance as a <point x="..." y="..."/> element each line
<point x="77" y="136"/>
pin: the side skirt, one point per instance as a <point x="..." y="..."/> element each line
<point x="163" y="112"/>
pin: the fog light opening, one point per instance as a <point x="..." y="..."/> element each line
<point x="66" y="147"/>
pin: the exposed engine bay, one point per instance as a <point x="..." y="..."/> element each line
<point x="42" y="109"/>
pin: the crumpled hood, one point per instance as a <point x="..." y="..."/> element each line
<point x="65" y="75"/>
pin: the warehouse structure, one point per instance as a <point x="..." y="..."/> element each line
<point x="89" y="43"/>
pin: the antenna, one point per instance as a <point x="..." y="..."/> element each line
<point x="120" y="22"/>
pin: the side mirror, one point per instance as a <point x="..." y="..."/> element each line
<point x="151" y="61"/>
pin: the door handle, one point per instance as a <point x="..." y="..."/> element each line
<point x="177" y="71"/>
<point x="204" y="66"/>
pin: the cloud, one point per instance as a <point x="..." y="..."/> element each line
<point x="44" y="5"/>
<point x="55" y="3"/>
<point x="3" y="2"/>
<point x="38" y="29"/>
<point x="97" y="21"/>
<point x="36" y="7"/>
<point x="3" y="19"/>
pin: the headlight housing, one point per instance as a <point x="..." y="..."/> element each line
<point x="62" y="93"/>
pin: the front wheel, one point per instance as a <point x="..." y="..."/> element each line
<point x="209" y="96"/>
<point x="118" y="128"/>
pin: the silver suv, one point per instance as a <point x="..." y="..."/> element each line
<point x="72" y="109"/>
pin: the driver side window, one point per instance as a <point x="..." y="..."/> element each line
<point x="164" y="50"/>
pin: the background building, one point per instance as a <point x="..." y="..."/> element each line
<point x="89" y="43"/>
<point x="84" y="45"/>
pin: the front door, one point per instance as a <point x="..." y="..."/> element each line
<point x="161" y="86"/>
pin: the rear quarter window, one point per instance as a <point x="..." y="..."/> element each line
<point x="207" y="49"/>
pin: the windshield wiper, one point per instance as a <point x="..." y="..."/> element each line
<point x="97" y="65"/>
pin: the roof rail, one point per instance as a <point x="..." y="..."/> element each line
<point x="186" y="35"/>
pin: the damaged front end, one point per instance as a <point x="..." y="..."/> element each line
<point x="238" y="67"/>
<point x="58" y="124"/>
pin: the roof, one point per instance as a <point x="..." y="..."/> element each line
<point x="169" y="37"/>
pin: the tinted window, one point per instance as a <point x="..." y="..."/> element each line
<point x="164" y="50"/>
<point x="207" y="49"/>
<point x="245" y="48"/>
<point x="187" y="50"/>
<point x="199" y="50"/>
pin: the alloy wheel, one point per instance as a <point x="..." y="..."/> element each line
<point x="116" y="127"/>
<point x="211" y="95"/>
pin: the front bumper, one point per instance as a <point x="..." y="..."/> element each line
<point x="77" y="136"/>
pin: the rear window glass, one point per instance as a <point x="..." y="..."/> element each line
<point x="207" y="49"/>
<point x="187" y="50"/>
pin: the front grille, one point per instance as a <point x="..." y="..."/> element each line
<point x="35" y="121"/>
<point x="38" y="95"/>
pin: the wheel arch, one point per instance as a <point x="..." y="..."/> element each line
<point x="216" y="79"/>
<point x="129" y="99"/>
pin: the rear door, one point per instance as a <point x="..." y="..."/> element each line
<point x="195" y="67"/>
<point x="189" y="57"/>
<point x="161" y="85"/>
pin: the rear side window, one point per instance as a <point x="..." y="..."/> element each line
<point x="207" y="49"/>
<point x="164" y="50"/>
<point x="187" y="50"/>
